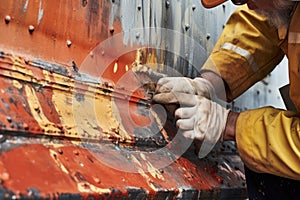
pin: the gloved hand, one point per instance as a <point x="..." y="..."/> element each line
<point x="196" y="86"/>
<point x="198" y="118"/>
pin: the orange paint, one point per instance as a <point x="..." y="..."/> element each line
<point x="56" y="24"/>
<point x="63" y="169"/>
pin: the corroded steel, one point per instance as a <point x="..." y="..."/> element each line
<point x="75" y="119"/>
<point x="32" y="89"/>
<point x="42" y="28"/>
<point x="59" y="159"/>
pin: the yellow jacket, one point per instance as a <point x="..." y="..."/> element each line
<point x="249" y="48"/>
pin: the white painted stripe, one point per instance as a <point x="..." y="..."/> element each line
<point x="242" y="52"/>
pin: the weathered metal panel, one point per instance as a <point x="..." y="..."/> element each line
<point x="75" y="119"/>
<point x="58" y="31"/>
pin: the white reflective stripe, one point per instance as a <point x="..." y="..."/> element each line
<point x="242" y="52"/>
<point x="294" y="37"/>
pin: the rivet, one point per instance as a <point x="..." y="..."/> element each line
<point x="8" y="118"/>
<point x="97" y="180"/>
<point x="92" y="54"/>
<point x="111" y="30"/>
<point x="5" y="176"/>
<point x="103" y="53"/>
<point x="60" y="151"/>
<point x="30" y="29"/>
<point x="69" y="43"/>
<point x="193" y="7"/>
<point x="187" y="27"/>
<point x="137" y="35"/>
<point x="76" y="152"/>
<point x="207" y="36"/>
<point x="84" y="3"/>
<point x="59" y="126"/>
<point x="36" y="108"/>
<point x="7" y="19"/>
<point x="167" y="4"/>
<point x="25" y="126"/>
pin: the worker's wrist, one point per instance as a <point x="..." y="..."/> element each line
<point x="230" y="129"/>
<point x="217" y="82"/>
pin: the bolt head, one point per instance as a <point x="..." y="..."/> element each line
<point x="207" y="36"/>
<point x="187" y="27"/>
<point x="111" y="30"/>
<point x="7" y="19"/>
<point x="30" y="29"/>
<point x="69" y="43"/>
<point x="168" y="4"/>
<point x="137" y="35"/>
<point x="193" y="7"/>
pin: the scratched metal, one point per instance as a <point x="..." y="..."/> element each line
<point x="52" y="141"/>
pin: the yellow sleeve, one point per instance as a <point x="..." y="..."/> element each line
<point x="268" y="140"/>
<point x="247" y="50"/>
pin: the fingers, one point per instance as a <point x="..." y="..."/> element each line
<point x="192" y="128"/>
<point x="193" y="120"/>
<point x="191" y="134"/>
<point x="175" y="84"/>
<point x="182" y="99"/>
<point x="185" y="124"/>
<point x="165" y="98"/>
<point x="163" y="85"/>
<point x="185" y="112"/>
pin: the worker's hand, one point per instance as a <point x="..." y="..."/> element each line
<point x="198" y="118"/>
<point x="196" y="86"/>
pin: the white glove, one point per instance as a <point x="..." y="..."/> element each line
<point x="202" y="119"/>
<point x="198" y="118"/>
<point x="196" y="86"/>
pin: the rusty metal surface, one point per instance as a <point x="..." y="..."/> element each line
<point x="45" y="155"/>
<point x="49" y="171"/>
<point x="71" y="120"/>
<point x="60" y="31"/>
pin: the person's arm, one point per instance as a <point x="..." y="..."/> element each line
<point x="267" y="138"/>
<point x="268" y="141"/>
<point x="246" y="52"/>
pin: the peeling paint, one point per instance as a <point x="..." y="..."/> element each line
<point x="25" y="6"/>
<point x="53" y="154"/>
<point x="41" y="12"/>
<point x="37" y="112"/>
